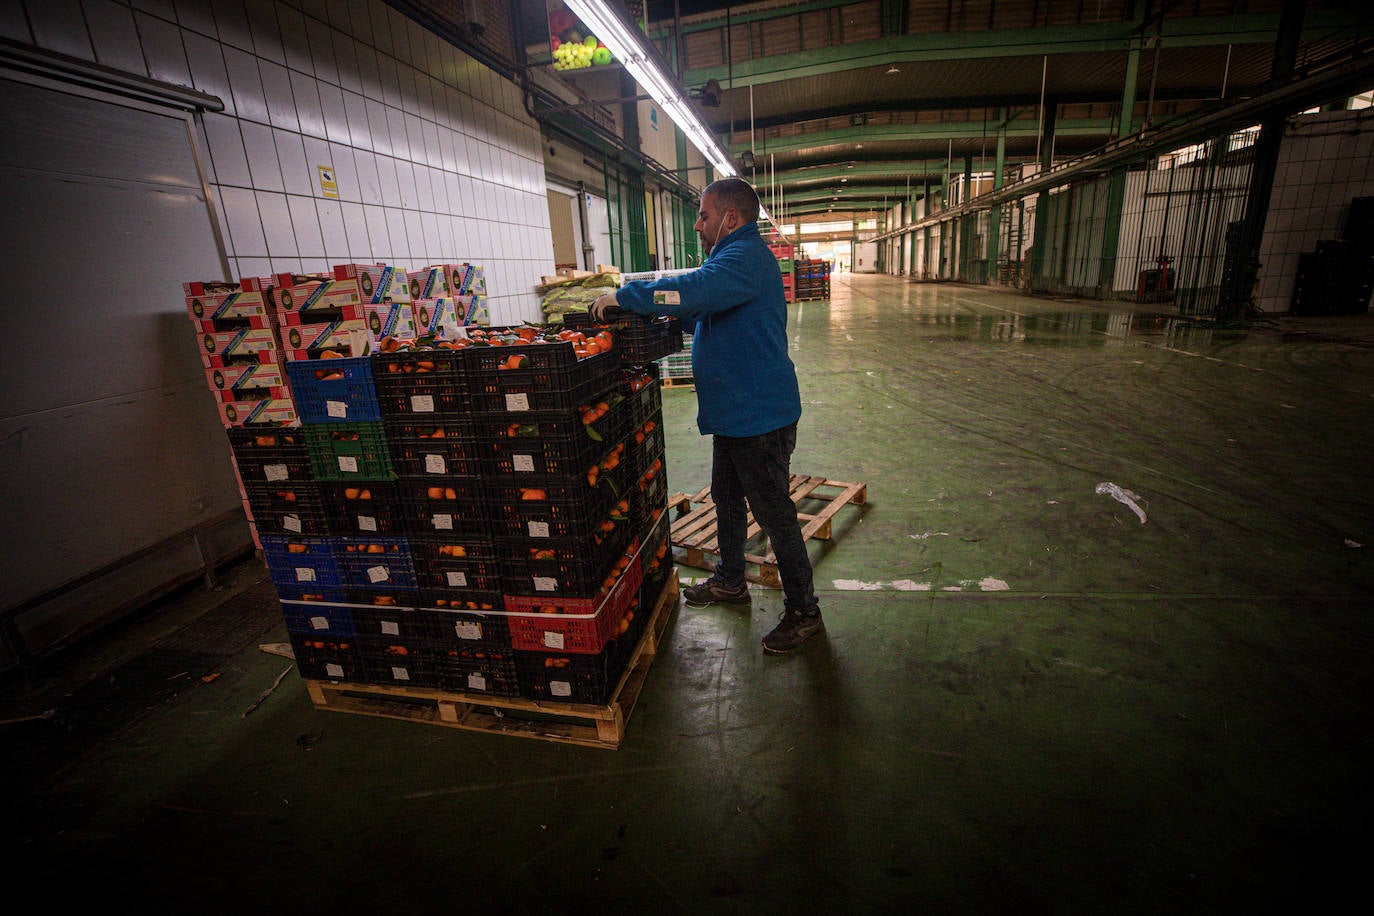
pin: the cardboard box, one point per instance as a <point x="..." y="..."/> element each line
<point x="268" y="411"/>
<point x="262" y="321"/>
<point x="435" y="318"/>
<point x="376" y="282"/>
<point x="428" y="283"/>
<point x="229" y="382"/>
<point x="460" y="279"/>
<point x="226" y="304"/>
<point x="319" y="295"/>
<point x="390" y="319"/>
<point x="245" y="345"/>
<point x="308" y="341"/>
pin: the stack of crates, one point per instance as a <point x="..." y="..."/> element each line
<point x="812" y="279"/>
<point x="241" y="351"/>
<point x="439" y="513"/>
<point x="787" y="267"/>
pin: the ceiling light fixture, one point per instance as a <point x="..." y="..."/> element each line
<point x="610" y="23"/>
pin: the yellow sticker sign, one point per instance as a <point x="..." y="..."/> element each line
<point x="328" y="186"/>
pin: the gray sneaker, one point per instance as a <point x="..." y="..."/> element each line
<point x="792" y="630"/>
<point x="715" y="591"/>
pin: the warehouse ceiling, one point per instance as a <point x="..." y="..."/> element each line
<point x="847" y="106"/>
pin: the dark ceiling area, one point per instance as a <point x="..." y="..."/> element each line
<point x="847" y="106"/>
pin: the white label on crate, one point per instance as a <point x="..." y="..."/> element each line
<point x="305" y="574"/>
<point x="333" y="671"/>
<point x="336" y="408"/>
<point x="466" y="629"/>
<point x="378" y="574"/>
<point x="442" y="522"/>
<point x="545" y="584"/>
<point x="539" y="529"/>
<point x="291" y="523"/>
<point x="457" y="579"/>
<point x="523" y="462"/>
<point x="422" y="403"/>
<point x="391" y="628"/>
<point x="517" y="402"/>
<point x="367" y="523"/>
<point x="400" y="674"/>
<point x="319" y="623"/>
<point x="476" y="682"/>
<point x="348" y="464"/>
<point x="560" y="688"/>
<point x="553" y="640"/>
<point x="275" y="472"/>
<point x="435" y="464"/>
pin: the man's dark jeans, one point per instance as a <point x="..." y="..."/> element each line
<point x="758" y="469"/>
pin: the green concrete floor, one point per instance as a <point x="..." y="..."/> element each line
<point x="1027" y="700"/>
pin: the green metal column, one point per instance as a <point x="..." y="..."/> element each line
<point x="1116" y="183"/>
<point x="995" y="217"/>
<point x="1042" y="200"/>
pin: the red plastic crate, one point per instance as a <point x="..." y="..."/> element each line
<point x="580" y="625"/>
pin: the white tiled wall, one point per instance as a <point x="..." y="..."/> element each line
<point x="435" y="158"/>
<point x="1326" y="160"/>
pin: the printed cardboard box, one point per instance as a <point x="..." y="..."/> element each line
<point x="264" y="412"/>
<point x="309" y="341"/>
<point x="230" y="382"/>
<point x="376" y="282"/>
<point x="245" y="345"/>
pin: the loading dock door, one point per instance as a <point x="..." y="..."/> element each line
<point x="110" y="443"/>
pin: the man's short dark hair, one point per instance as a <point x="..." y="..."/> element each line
<point x="737" y="194"/>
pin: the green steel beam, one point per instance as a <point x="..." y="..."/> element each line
<point x="887" y="170"/>
<point x="911" y="133"/>
<point x="1192" y="32"/>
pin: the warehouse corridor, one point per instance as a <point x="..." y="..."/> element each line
<point x="1097" y="642"/>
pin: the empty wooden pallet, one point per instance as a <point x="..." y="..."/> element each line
<point x="693" y="532"/>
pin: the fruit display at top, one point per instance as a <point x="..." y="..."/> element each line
<point x="573" y="48"/>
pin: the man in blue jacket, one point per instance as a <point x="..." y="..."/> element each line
<point x="747" y="399"/>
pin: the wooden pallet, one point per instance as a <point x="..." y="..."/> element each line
<point x="570" y="723"/>
<point x="683" y="382"/>
<point x="693" y="532"/>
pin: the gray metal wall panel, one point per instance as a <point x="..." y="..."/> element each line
<point x="109" y="438"/>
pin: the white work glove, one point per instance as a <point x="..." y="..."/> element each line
<point x="603" y="302"/>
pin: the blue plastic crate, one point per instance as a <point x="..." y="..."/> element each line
<point x="334" y="390"/>
<point x="364" y="566"/>
<point x="294" y="562"/>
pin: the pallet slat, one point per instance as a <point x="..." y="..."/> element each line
<point x="571" y="723"/>
<point x="694" y="529"/>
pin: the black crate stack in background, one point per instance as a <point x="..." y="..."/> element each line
<point x="483" y="516"/>
<point x="1338" y="278"/>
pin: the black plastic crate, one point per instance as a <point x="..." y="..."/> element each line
<point x="559" y="507"/>
<point x="269" y="455"/>
<point x="313" y="594"/>
<point x="385" y="599"/>
<point x="572" y="678"/>
<point x="446" y="507"/>
<point x="551" y="445"/>
<point x="477" y="670"/>
<point x="451" y="628"/>
<point x="325" y="658"/>
<point x="288" y="509"/>
<point x="362" y="507"/>
<point x="639" y="339"/>
<point x="318" y="618"/>
<point x="648" y="444"/>
<point x="560" y="569"/>
<point x="535" y="358"/>
<point x="420" y="383"/>
<point x="651" y="495"/>
<point x="447" y="600"/>
<point x="456" y="566"/>
<point x="513" y="392"/>
<point x="434" y="447"/>
<point x="301" y="561"/>
<point x="349" y="451"/>
<point x="380" y="563"/>
<point x="334" y="390"/>
<point x="644" y="391"/>
<point x="405" y="625"/>
<point x="395" y="662"/>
